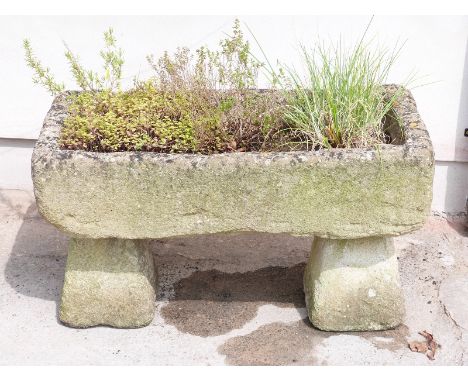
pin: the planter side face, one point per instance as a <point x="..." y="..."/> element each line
<point x="335" y="193"/>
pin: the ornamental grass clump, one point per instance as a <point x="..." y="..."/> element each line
<point x="340" y="101"/>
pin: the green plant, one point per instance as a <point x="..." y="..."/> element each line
<point x="340" y="101"/>
<point x="208" y="101"/>
<point x="87" y="80"/>
<point x="135" y="120"/>
<point x="42" y="75"/>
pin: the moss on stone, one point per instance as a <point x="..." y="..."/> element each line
<point x="143" y="199"/>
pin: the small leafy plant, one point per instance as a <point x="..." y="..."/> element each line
<point x="87" y="80"/>
<point x="42" y="75"/>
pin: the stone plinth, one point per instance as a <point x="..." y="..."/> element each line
<point x="108" y="282"/>
<point x="353" y="285"/>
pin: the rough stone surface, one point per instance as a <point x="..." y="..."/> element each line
<point x="353" y="285"/>
<point x="108" y="282"/>
<point x="334" y="193"/>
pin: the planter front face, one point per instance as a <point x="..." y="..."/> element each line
<point x="340" y="194"/>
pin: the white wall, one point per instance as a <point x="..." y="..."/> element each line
<point x="436" y="47"/>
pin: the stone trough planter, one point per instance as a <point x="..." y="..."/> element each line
<point x="352" y="200"/>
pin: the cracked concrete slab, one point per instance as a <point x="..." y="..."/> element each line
<point x="453" y="293"/>
<point x="225" y="299"/>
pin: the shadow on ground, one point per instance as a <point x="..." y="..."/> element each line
<point x="460" y="225"/>
<point x="275" y="344"/>
<point x="36" y="263"/>
<point x="238" y="273"/>
<point x="296" y="343"/>
<point x="209" y="303"/>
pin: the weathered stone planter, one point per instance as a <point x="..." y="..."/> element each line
<point x="352" y="200"/>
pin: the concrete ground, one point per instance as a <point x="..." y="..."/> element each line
<point x="225" y="299"/>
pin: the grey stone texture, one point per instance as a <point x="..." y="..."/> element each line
<point x="108" y="282"/>
<point x="353" y="285"/>
<point x="337" y="193"/>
